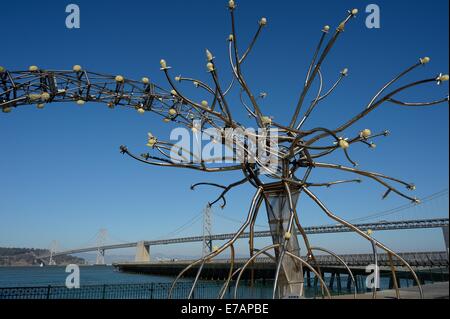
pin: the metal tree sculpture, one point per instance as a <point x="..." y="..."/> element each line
<point x="297" y="151"/>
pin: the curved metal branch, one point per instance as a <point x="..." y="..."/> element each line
<point x="256" y="202"/>
<point x="364" y="235"/>
<point x="446" y="99"/>
<point x="375" y="176"/>
<point x="225" y="188"/>
<point x="322" y="58"/>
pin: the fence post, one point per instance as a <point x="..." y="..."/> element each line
<point x="151" y="290"/>
<point x="49" y="288"/>
<point x="104" y="292"/>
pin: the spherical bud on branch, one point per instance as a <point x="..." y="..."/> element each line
<point x="412" y="187"/>
<point x="6" y="110"/>
<point x="370" y="232"/>
<point x="174" y="93"/>
<point x="196" y="84"/>
<point x="425" y="60"/>
<point x="344" y="144"/>
<point x="2" y="69"/>
<point x="373" y="146"/>
<point x="45" y="96"/>
<point x="205" y="103"/>
<point x="266" y="120"/>
<point x="210" y="67"/>
<point x="209" y="56"/>
<point x="365" y="134"/>
<point x="344" y="72"/>
<point x="354" y="12"/>
<point x="33" y="68"/>
<point x="196" y="127"/>
<point x="326" y="29"/>
<point x="163" y="64"/>
<point x="140" y="110"/>
<point x="119" y="79"/>
<point x="152" y="141"/>
<point x="231" y="5"/>
<point x="263" y="22"/>
<point x="287" y="236"/>
<point x="81" y="102"/>
<point x="173" y="112"/>
<point x="231" y="38"/>
<point x="178" y="78"/>
<point x="34" y="97"/>
<point x="77" y="68"/>
<point x="442" y="78"/>
<point x="40" y="106"/>
<point x="145" y="80"/>
<point x="167" y="120"/>
<point x="417" y="201"/>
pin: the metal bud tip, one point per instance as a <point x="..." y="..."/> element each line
<point x="45" y="96"/>
<point x="366" y="133"/>
<point x="443" y="78"/>
<point x="425" y="60"/>
<point x="210" y="67"/>
<point x="209" y="55"/>
<point x="266" y="120"/>
<point x="344" y="144"/>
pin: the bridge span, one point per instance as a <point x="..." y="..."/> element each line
<point x="143" y="247"/>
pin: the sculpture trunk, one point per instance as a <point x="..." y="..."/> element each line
<point x="291" y="278"/>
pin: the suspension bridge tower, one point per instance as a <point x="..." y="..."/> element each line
<point x="102" y="237"/>
<point x="207" y="230"/>
<point x="53" y="249"/>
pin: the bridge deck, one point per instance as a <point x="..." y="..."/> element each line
<point x="264" y="267"/>
<point x="380" y="226"/>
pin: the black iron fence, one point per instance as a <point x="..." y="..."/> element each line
<point x="259" y="289"/>
<point x="204" y="290"/>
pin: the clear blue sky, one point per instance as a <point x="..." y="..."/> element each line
<point x="62" y="177"/>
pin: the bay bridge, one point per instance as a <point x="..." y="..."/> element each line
<point x="405" y="222"/>
<point x="143" y="247"/>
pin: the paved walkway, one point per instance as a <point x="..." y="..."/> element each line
<point x="434" y="291"/>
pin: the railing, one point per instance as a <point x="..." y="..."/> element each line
<point x="204" y="290"/>
<point x="260" y="289"/>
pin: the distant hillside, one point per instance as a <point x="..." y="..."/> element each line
<point x="27" y="257"/>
